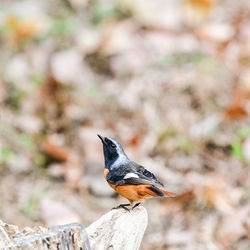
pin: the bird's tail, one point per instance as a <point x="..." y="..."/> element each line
<point x="168" y="194"/>
<point x="154" y="191"/>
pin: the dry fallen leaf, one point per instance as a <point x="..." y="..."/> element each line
<point x="197" y="11"/>
<point x="216" y="197"/>
<point x="237" y="110"/>
<point x="55" y="148"/>
<point x="21" y="29"/>
<point x="73" y="167"/>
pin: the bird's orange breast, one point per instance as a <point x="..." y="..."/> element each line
<point x="132" y="192"/>
<point x="106" y="171"/>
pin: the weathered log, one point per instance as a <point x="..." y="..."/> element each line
<point x="70" y="236"/>
<point x="118" y="230"/>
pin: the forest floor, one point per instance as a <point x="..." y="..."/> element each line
<point x="170" y="80"/>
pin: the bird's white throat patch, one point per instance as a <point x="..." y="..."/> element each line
<point x="131" y="175"/>
<point x="122" y="159"/>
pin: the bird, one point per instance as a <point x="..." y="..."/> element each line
<point x="129" y="179"/>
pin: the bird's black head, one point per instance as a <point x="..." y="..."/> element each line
<point x="112" y="151"/>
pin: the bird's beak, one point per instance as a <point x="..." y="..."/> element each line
<point x="102" y="138"/>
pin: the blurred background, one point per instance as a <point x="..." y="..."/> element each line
<point x="169" y="79"/>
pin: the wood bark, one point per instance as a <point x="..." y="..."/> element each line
<point x="66" y="237"/>
<point x="118" y="230"/>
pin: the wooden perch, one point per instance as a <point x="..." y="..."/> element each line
<point x="118" y="230"/>
<point x="70" y="236"/>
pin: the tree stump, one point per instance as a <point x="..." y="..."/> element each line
<point x="118" y="230"/>
<point x="66" y="237"/>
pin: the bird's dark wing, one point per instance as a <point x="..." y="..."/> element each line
<point x="132" y="174"/>
<point x="144" y="173"/>
<point x="136" y="181"/>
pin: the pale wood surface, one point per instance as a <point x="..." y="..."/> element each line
<point x="118" y="230"/>
<point x="70" y="236"/>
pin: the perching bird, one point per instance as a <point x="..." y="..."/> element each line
<point x="128" y="178"/>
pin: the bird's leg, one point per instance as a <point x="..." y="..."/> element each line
<point x="136" y="205"/>
<point x="124" y="206"/>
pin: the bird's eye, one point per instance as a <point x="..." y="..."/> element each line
<point x="113" y="145"/>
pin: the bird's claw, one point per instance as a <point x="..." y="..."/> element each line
<point x="136" y="205"/>
<point x="124" y="206"/>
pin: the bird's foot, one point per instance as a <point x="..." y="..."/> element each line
<point x="124" y="206"/>
<point x="136" y="205"/>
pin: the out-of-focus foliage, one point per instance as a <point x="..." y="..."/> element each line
<point x="170" y="79"/>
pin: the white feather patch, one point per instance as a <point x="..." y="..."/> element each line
<point x="131" y="175"/>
